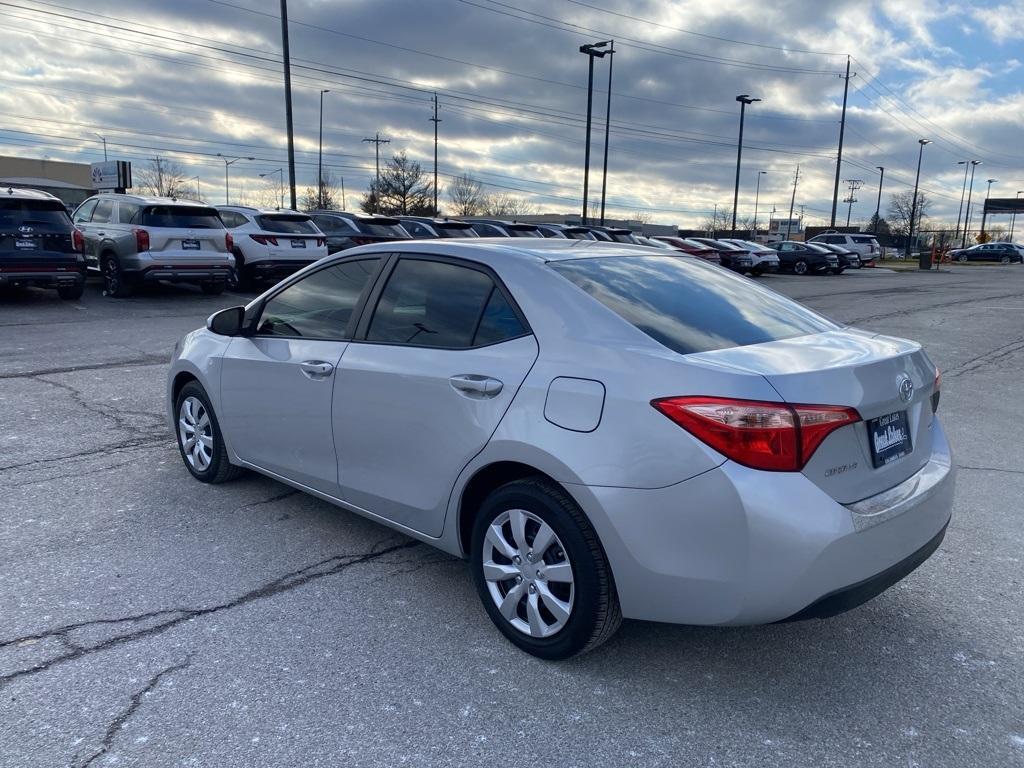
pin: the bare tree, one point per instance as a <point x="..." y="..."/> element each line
<point x="163" y="178"/>
<point x="331" y="197"/>
<point x="719" y="220"/>
<point x="900" y="205"/>
<point x="404" y="189"/>
<point x="505" y="206"/>
<point x="467" y="196"/>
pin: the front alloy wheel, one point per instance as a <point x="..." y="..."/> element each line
<point x="800" y="267"/>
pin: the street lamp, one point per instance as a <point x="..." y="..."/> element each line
<point x="878" y="205"/>
<point x="757" y="195"/>
<point x="280" y="172"/>
<point x="320" y="156"/>
<point x="228" y="161"/>
<point x="104" y="140"/>
<point x="1013" y="221"/>
<point x="963" y="193"/>
<point x="984" y="210"/>
<point x="607" y="128"/>
<point x="967" y="213"/>
<point x="199" y="194"/>
<point x="592" y="51"/>
<point x="924" y="259"/>
<point x="743" y="99"/>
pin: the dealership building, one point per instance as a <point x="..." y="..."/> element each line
<point x="71" y="182"/>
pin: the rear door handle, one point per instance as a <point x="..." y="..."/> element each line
<point x="316" y="369"/>
<point x="475" y="385"/>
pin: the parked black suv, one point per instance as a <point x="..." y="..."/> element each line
<point x="38" y="243"/>
<point x="346" y="230"/>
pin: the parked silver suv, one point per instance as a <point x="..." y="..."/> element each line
<point x="132" y="239"/>
<point x="864" y="244"/>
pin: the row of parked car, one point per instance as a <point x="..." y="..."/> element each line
<point x="132" y="240"/>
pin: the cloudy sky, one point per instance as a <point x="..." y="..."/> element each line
<point x="194" y="78"/>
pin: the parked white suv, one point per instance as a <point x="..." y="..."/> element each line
<point x="271" y="243"/>
<point x="132" y="239"/>
<point x="864" y="245"/>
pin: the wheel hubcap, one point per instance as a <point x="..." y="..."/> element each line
<point x="195" y="432"/>
<point x="528" y="574"/>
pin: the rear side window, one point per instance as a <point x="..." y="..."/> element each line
<point x="689" y="306"/>
<point x="39" y="214"/>
<point x="127" y="212"/>
<point x="233" y="219"/>
<point x="319" y="306"/>
<point x="104" y="212"/>
<point x="179" y="217"/>
<point x="863" y="239"/>
<point x="436" y="304"/>
<point x="287" y="225"/>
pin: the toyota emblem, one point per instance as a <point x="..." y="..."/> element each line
<point x="906" y="389"/>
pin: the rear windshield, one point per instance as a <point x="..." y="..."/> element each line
<point x="45" y="214"/>
<point x="287" y="225"/>
<point x="688" y="305"/>
<point x="455" y="230"/>
<point x="515" y="231"/>
<point x="180" y="217"/>
<point x="377" y="229"/>
<point x="578" y="233"/>
<point x="863" y="239"/>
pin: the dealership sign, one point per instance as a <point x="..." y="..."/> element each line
<point x="1004" y="205"/>
<point x="112" y="174"/>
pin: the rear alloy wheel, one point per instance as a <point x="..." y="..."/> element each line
<point x="800" y="267"/>
<point x="962" y="258"/>
<point x="541" y="572"/>
<point x="71" y="292"/>
<point x="199" y="437"/>
<point x="115" y="282"/>
<point x="1004" y="260"/>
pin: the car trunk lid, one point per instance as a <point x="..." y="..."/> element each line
<point x="190" y="233"/>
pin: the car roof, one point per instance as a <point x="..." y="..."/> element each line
<point x="501" y="222"/>
<point x="439" y="220"/>
<point x="493" y="250"/>
<point x="358" y="215"/>
<point x="151" y="200"/>
<point x="260" y="211"/>
<point x="24" y="193"/>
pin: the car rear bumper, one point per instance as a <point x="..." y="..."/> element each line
<point x="736" y="546"/>
<point x="276" y="267"/>
<point x="42" y="276"/>
<point x="189" y="274"/>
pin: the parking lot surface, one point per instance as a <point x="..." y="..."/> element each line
<point x="149" y="620"/>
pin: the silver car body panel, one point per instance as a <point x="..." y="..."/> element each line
<point x="691" y="536"/>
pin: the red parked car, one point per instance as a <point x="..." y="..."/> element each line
<point x="690" y="246"/>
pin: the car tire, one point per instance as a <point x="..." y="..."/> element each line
<point x="210" y="465"/>
<point x="583" y="611"/>
<point x="962" y="259"/>
<point x="71" y="292"/>
<point x="800" y="267"/>
<point x="1004" y="260"/>
<point x="115" y="282"/>
<point x="215" y="288"/>
<point x="241" y="276"/>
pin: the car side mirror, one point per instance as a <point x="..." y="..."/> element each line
<point x="227" y="322"/>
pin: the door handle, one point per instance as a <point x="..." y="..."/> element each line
<point x="475" y="385"/>
<point x="316" y="369"/>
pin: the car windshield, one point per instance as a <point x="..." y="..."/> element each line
<point x="44" y="214"/>
<point x="689" y="305"/>
<point x="179" y="217"/>
<point x="287" y="225"/>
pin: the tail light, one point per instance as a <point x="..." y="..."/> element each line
<point x="77" y="241"/>
<point x="321" y="242"/>
<point x="935" y="391"/>
<point x="141" y="240"/>
<point x="229" y="242"/>
<point x="264" y="239"/>
<point x="771" y="436"/>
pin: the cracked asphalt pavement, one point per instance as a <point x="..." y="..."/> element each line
<point x="148" y="620"/>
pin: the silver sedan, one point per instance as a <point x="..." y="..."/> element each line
<point x="604" y="431"/>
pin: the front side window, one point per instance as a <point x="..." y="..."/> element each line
<point x="319" y="306"/>
<point x="104" y="212"/>
<point x="688" y="305"/>
<point x="436" y="304"/>
<point x="84" y="212"/>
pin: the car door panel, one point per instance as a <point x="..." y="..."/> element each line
<point x="405" y="424"/>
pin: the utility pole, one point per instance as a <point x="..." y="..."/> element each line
<point x="286" y="55"/>
<point x="924" y="258"/>
<point x="967" y="213"/>
<point x="757" y="196"/>
<point x="376" y="140"/>
<point x="320" y="155"/>
<point x="851" y="198"/>
<point x="878" y="205"/>
<point x="435" y="120"/>
<point x="984" y="209"/>
<point x="592" y="51"/>
<point x="104" y="140"/>
<point x="792" y="200"/>
<point x="842" y="131"/>
<point x="743" y="99"/>
<point x="607" y="128"/>
<point x="199" y="194"/>
<point x="343" y="206"/>
<point x="963" y="193"/>
<point x="1013" y="221"/>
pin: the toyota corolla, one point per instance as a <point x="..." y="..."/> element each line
<point x="602" y="431"/>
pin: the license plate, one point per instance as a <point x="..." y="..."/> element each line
<point x="25" y="245"/>
<point x="298" y="243"/>
<point x="890" y="438"/>
<point x="190" y="245"/>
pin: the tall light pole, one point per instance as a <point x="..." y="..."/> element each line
<point x="743" y="99"/>
<point x="878" y="205"/>
<point x="1013" y="221"/>
<point x="842" y="132"/>
<point x="757" y="196"/>
<point x="320" y="155"/>
<point x="592" y="51"/>
<point x="280" y="182"/>
<point x="286" y="58"/>
<point x="925" y="259"/>
<point x="984" y="210"/>
<point x="229" y="161"/>
<point x="435" y="120"/>
<point x="199" y="194"/>
<point x="963" y="193"/>
<point x="104" y="140"/>
<point x="970" y="193"/>
<point x="607" y="128"/>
